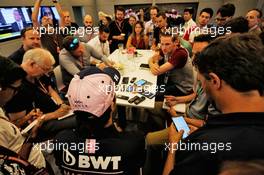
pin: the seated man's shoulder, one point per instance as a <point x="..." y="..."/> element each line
<point x="133" y="138"/>
<point x="65" y="135"/>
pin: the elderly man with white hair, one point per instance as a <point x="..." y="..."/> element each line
<point x="36" y="92"/>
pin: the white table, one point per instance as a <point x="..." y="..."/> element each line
<point x="131" y="69"/>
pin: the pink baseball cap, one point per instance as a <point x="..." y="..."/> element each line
<point x="92" y="90"/>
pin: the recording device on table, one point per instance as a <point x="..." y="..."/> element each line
<point x="142" y="82"/>
<point x="133" y="80"/>
<point x="125" y="80"/>
<point x="136" y="100"/>
<point x="181" y="124"/>
<point x="144" y="66"/>
<point x="123" y="97"/>
<point x="133" y="99"/>
<point x="139" y="100"/>
<point x="130" y="88"/>
<point x="147" y="94"/>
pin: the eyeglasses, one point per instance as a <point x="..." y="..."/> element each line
<point x="74" y="43"/>
<point x="45" y="68"/>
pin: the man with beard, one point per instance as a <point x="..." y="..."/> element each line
<point x="254" y="18"/>
<point x="87" y="32"/>
<point x="100" y="43"/>
<point x="231" y="71"/>
<point x="119" y="29"/>
<point x="75" y="56"/>
<point x="30" y="39"/>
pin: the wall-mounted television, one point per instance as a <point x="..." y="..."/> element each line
<point x="14" y="19"/>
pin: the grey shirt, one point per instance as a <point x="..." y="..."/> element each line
<point x="71" y="65"/>
<point x="200" y="107"/>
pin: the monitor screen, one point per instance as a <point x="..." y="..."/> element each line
<point x="14" y="19"/>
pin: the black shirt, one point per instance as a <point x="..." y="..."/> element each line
<point x="234" y="136"/>
<point x="117" y="30"/>
<point x="31" y="93"/>
<point x="17" y="56"/>
<point x="110" y="152"/>
<point x="53" y="43"/>
<point x="71" y="29"/>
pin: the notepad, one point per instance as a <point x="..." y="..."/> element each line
<point x="69" y="114"/>
<point x="30" y="126"/>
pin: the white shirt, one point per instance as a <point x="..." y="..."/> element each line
<point x="189" y="24"/>
<point x="11" y="138"/>
<point x="102" y="48"/>
<point x="149" y="25"/>
<point x="20" y="24"/>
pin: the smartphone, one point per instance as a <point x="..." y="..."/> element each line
<point x="123" y="97"/>
<point x="141" y="82"/>
<point x="181" y="124"/>
<point x="125" y="80"/>
<point x="144" y="66"/>
<point x="147" y="94"/>
<point x="130" y="88"/>
<point x="139" y="100"/>
<point x="133" y="80"/>
<point x="133" y="99"/>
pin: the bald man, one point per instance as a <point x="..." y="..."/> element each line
<point x="68" y="22"/>
<point x="87" y="32"/>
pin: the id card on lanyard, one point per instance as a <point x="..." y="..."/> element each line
<point x="166" y="59"/>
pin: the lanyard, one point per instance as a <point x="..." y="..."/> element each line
<point x="102" y="47"/>
<point x="120" y="28"/>
<point x="81" y="61"/>
<point x="89" y="36"/>
<point x="43" y="87"/>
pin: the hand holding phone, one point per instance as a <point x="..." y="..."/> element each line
<point x="181" y="124"/>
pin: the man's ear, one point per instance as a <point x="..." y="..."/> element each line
<point x="31" y="62"/>
<point x="215" y="80"/>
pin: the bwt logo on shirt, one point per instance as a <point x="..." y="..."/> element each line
<point x="85" y="161"/>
